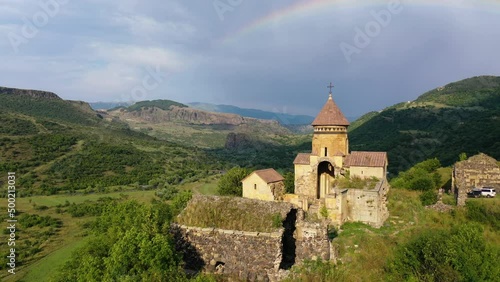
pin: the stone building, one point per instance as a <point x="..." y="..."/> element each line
<point x="249" y="255"/>
<point x="316" y="173"/>
<point x="476" y="172"/>
<point x="264" y="184"/>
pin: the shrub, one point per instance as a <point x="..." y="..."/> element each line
<point x="277" y="220"/>
<point x="480" y="212"/>
<point x="167" y="193"/>
<point x="428" y="197"/>
<point x="230" y="183"/>
<point x="459" y="254"/>
<point x="422" y="184"/>
<point x="429" y="165"/>
<point x="323" y="211"/>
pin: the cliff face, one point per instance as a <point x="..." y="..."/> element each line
<point x="31" y="93"/>
<point x="191" y="116"/>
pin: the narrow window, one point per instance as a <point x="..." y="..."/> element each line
<point x="326" y="151"/>
<point x="255" y="186"/>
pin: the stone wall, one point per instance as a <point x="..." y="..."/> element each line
<point x="311" y="240"/>
<point x="368" y="206"/>
<point x="253" y="256"/>
<point x="250" y="256"/>
<point x="477" y="171"/>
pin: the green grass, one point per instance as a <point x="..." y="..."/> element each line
<point x="52" y="201"/>
<point x="37" y="272"/>
<point x="207" y="186"/>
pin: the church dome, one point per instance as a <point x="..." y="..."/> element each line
<point x="330" y="115"/>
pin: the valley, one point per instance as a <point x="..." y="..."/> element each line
<point x="75" y="165"/>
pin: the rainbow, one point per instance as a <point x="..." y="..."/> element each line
<point x="305" y="7"/>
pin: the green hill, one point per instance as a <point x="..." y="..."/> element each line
<point x="47" y="105"/>
<point x="161" y="104"/>
<point x="460" y="117"/>
<point x="57" y="146"/>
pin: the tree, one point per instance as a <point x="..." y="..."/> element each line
<point x="230" y="183"/>
<point x="289" y="182"/>
<point x="129" y="242"/>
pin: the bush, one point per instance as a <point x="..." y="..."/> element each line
<point x="323" y="211"/>
<point x="230" y="183"/>
<point x="459" y="254"/>
<point x="429" y="165"/>
<point x="428" y="197"/>
<point x="480" y="212"/>
<point x="421" y="177"/>
<point x="422" y="184"/>
<point x="167" y="193"/>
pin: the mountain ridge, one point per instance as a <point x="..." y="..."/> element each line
<point x="282" y="118"/>
<point x="462" y="116"/>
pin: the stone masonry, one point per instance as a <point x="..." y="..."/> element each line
<point x="477" y="171"/>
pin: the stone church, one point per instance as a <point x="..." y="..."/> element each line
<point x="317" y="174"/>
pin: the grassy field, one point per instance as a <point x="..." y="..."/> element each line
<point x="37" y="272"/>
<point x="26" y="204"/>
<point x="207" y="186"/>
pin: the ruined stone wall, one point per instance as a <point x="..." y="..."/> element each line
<point x="368" y="206"/>
<point x="305" y="181"/>
<point x="477" y="171"/>
<point x="311" y="240"/>
<point x="248" y="255"/>
<point x="253" y="256"/>
<point x="278" y="190"/>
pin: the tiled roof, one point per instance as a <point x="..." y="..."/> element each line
<point x="367" y="159"/>
<point x="269" y="175"/>
<point x="302" y="158"/>
<point x="330" y="115"/>
<point x="339" y="153"/>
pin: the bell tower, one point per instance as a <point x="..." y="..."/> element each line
<point x="330" y="131"/>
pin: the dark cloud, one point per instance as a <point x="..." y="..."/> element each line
<point x="102" y="50"/>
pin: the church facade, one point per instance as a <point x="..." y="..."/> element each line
<point x="318" y="174"/>
<point x="321" y="175"/>
<point x="315" y="172"/>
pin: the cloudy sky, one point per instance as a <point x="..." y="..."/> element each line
<point x="272" y="55"/>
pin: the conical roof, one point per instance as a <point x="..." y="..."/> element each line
<point x="330" y="115"/>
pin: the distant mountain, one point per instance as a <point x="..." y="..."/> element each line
<point x="463" y="116"/>
<point x="285" y="119"/>
<point x="108" y="105"/>
<point x="174" y="121"/>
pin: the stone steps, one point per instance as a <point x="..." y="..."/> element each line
<point x="315" y="206"/>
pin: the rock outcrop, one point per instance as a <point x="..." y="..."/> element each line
<point x="28" y="92"/>
<point x="192" y="116"/>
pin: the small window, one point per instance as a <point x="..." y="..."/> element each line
<point x="326" y="151"/>
<point x="255" y="186"/>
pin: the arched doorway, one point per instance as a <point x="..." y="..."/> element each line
<point x="325" y="178"/>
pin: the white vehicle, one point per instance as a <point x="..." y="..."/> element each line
<point x="488" y="192"/>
